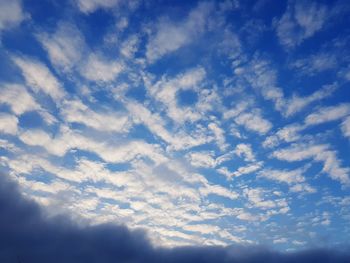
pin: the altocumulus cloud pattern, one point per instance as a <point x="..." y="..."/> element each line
<point x="28" y="236"/>
<point x="174" y="131"/>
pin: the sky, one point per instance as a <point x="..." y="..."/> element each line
<point x="198" y="123"/>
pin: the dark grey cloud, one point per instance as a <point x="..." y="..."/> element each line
<point x="27" y="236"/>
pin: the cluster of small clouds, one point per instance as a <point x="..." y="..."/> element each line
<point x="108" y="242"/>
<point x="159" y="180"/>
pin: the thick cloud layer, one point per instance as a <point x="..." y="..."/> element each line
<point x="27" y="236"/>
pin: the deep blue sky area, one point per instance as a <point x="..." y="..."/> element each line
<point x="202" y="123"/>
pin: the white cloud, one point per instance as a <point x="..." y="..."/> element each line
<point x="289" y="133"/>
<point x="8" y="123"/>
<point x="156" y="124"/>
<point x="53" y="187"/>
<point x="18" y="98"/>
<point x="320" y="153"/>
<point x="130" y="46"/>
<point x="234" y="112"/>
<point x="21" y="101"/>
<point x="219" y="135"/>
<point x="64" y="47"/>
<point x="11" y="14"/>
<point x="285" y="176"/>
<point x="258" y="199"/>
<point x="201" y="228"/>
<point x="302" y="187"/>
<point x="294" y="178"/>
<point x="218" y="190"/>
<point x="280" y="240"/>
<point x="245" y="150"/>
<point x="90" y="6"/>
<point x="326" y="114"/>
<point x="4" y="144"/>
<point x="316" y="63"/>
<point x="207" y="159"/>
<point x="248" y="169"/>
<point x="170" y="36"/>
<point x="100" y="69"/>
<point x="165" y="92"/>
<point x="68" y="140"/>
<point x="260" y="74"/>
<point x="76" y="111"/>
<point x="301" y="20"/>
<point x="263" y="78"/>
<point x="345" y="126"/>
<point x="254" y="121"/>
<point x="296" y="103"/>
<point x="202" y="159"/>
<point x="292" y="132"/>
<point x="39" y="77"/>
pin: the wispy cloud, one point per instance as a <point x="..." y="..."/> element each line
<point x="170" y="36"/>
<point x="327" y="114"/>
<point x="320" y="153"/>
<point x="301" y="21"/>
<point x="65" y="46"/>
<point x="39" y="77"/>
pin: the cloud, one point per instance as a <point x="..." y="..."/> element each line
<point x="170" y="36"/>
<point x="98" y="194"/>
<point x="219" y="135"/>
<point x="245" y="150"/>
<point x="289" y="133"/>
<point x="165" y="91"/>
<point x="327" y="114"/>
<point x="320" y="153"/>
<point x="258" y="198"/>
<point x="8" y="123"/>
<point x="107" y="242"/>
<point x="289" y="177"/>
<point x="67" y="140"/>
<point x="345" y="126"/>
<point x="292" y="132"/>
<point x="262" y="76"/>
<point x="99" y="69"/>
<point x="68" y="50"/>
<point x="75" y="111"/>
<point x="90" y="6"/>
<point x="248" y="169"/>
<point x="39" y="78"/>
<point x="301" y="21"/>
<point x="202" y="159"/>
<point x="18" y="98"/>
<point x="157" y="125"/>
<point x="65" y="46"/>
<point x="296" y="103"/>
<point x="315" y="63"/>
<point x="130" y="46"/>
<point x="294" y="178"/>
<point x="254" y="121"/>
<point x="11" y="14"/>
<point x="20" y="101"/>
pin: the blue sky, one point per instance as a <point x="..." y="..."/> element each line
<point x="204" y="123"/>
